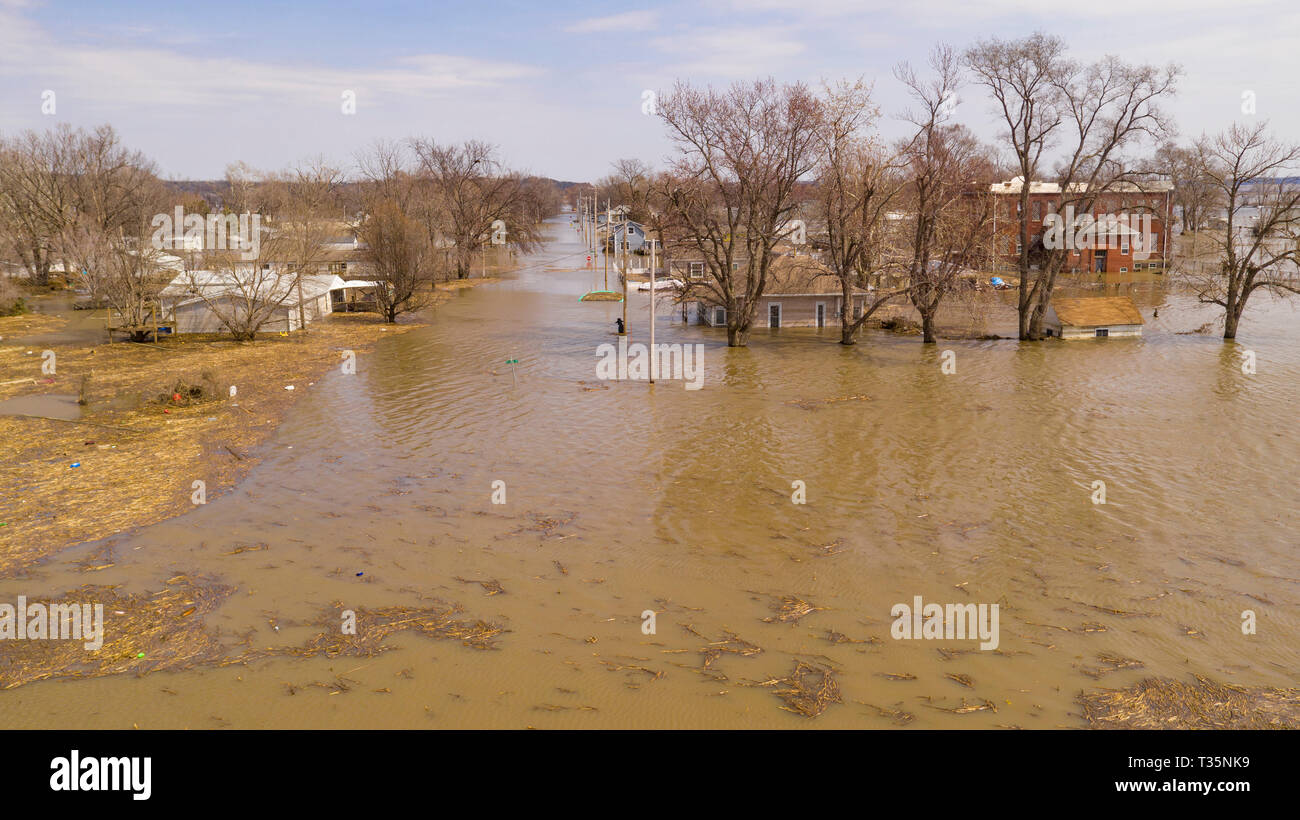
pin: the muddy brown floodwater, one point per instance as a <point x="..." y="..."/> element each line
<point x="973" y="487"/>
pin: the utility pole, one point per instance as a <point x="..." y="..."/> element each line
<point x="604" y="255"/>
<point x="625" y="224"/>
<point x="654" y="366"/>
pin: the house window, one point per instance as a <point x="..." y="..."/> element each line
<point x="1123" y="246"/>
<point x="1038" y="209"/>
<point x="719" y="316"/>
<point x="1019" y="245"/>
<point x="697" y="270"/>
<point x="1123" y="270"/>
<point x="1102" y="332"/>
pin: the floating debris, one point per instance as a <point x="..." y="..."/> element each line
<point x="789" y="609"/>
<point x="1109" y="663"/>
<point x="373" y="626"/>
<point x="814" y="404"/>
<point x="840" y="637"/>
<point x="808" y="690"/>
<point x="900" y="717"/>
<point x="733" y="644"/>
<point x="966" y="707"/>
<point x="491" y="586"/>
<point x="1166" y="703"/>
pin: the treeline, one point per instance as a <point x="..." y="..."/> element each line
<point x="81" y="203"/>
<point x="904" y="218"/>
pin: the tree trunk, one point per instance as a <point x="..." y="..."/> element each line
<point x="846" y="314"/>
<point x="736" y="337"/>
<point x="1231" y="318"/>
<point x="927" y="326"/>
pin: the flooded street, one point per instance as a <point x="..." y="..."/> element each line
<point x="972" y="487"/>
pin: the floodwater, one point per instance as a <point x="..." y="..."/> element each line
<point x="50" y="405"/>
<point x="970" y="487"/>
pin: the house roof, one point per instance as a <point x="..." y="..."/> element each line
<point x="801" y="275"/>
<point x="205" y="284"/>
<point x="1097" y="311"/>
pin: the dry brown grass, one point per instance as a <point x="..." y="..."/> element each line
<point x="27" y="324"/>
<point x="138" y="457"/>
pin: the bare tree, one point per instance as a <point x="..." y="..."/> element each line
<point x="1100" y="109"/>
<point x="1195" y="197"/>
<point x="1248" y="170"/>
<point x="741" y="154"/>
<point x="1020" y="75"/>
<point x="401" y="251"/>
<point x="857" y="184"/>
<point x="947" y="209"/>
<point x="478" y="194"/>
<point x="36" y="201"/>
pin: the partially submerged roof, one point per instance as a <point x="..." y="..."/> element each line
<point x="1097" y="311"/>
<point x="801" y="275"/>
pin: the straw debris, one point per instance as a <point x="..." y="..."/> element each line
<point x="1166" y="703"/>
<point x="808" y="690"/>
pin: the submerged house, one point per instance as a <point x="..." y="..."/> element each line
<point x="799" y="292"/>
<point x="1093" y="317"/>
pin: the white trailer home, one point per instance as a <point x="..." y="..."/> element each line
<point x="194" y="301"/>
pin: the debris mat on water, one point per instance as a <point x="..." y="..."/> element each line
<point x="1167" y="703"/>
<point x="373" y="626"/>
<point x="142" y="632"/>
<point x="789" y="609"/>
<point x="808" y="690"/>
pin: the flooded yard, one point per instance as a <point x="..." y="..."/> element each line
<point x="977" y="486"/>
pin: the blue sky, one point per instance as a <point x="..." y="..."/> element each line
<point x="558" y="86"/>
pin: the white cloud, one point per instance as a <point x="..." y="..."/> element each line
<point x="730" y="52"/>
<point x="627" y="21"/>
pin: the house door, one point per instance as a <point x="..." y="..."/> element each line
<point x="821" y="314"/>
<point x="773" y="315"/>
<point x="1099" y="262"/>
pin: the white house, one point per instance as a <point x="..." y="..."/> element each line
<point x="187" y="302"/>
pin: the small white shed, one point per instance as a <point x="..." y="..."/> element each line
<point x="1093" y="317"/>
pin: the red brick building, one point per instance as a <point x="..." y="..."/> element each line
<point x="1125" y="230"/>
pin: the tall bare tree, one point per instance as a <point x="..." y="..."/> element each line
<point x="949" y="205"/>
<point x="1249" y="171"/>
<point x="36" y="200"/>
<point x="476" y="192"/>
<point x="741" y="154"/>
<point x="401" y="251"/>
<point x="1098" y="111"/>
<point x="1195" y="197"/>
<point x="858" y="182"/>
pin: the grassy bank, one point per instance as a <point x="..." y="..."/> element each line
<point x="138" y="448"/>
